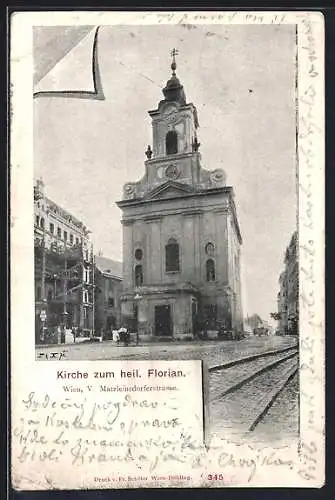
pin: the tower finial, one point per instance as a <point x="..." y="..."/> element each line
<point x="173" y="91"/>
<point x="174" y="53"/>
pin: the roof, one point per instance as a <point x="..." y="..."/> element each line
<point x="108" y="266"/>
<point x="65" y="214"/>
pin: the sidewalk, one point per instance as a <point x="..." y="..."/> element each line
<point x="110" y="343"/>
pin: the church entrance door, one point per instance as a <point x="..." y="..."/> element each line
<point x="163" y="323"/>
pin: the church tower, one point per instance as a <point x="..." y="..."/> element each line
<point x="181" y="238"/>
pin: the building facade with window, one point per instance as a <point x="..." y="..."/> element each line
<point x="181" y="237"/>
<point x="282" y="304"/>
<point x="64" y="274"/>
<point x="288" y="295"/>
<point x="108" y="281"/>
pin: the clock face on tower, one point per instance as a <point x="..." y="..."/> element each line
<point x="172" y="172"/>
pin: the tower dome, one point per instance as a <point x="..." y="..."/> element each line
<point x="174" y="91"/>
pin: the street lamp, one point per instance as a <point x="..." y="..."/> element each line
<point x="137" y="298"/>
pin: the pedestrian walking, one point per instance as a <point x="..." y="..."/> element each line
<point x="206" y="325"/>
<point x="124" y="335"/>
<point x="116" y="336"/>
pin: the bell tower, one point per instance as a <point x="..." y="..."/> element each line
<point x="174" y="154"/>
<point x="174" y="123"/>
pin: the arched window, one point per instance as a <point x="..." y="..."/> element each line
<point x="172" y="256"/>
<point x="171" y="142"/>
<point x="138" y="275"/>
<point x="210" y="270"/>
<point x="42" y="223"/>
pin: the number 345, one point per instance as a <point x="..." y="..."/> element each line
<point x="215" y="477"/>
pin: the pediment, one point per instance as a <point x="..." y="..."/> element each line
<point x="169" y="189"/>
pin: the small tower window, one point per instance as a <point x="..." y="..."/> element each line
<point x="171" y="142"/>
<point x="210" y="270"/>
<point x="138" y="275"/>
<point x="172" y="256"/>
<point x="138" y="254"/>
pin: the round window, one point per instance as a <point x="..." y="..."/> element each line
<point x="209" y="249"/>
<point x="138" y="254"/>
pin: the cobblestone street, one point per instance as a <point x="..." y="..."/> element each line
<point x="212" y="352"/>
<point x="234" y="414"/>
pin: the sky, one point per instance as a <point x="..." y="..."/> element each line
<point x="241" y="79"/>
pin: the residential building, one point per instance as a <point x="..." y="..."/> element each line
<point x="63" y="270"/>
<point x="288" y="295"/>
<point x="282" y="304"/>
<point x="108" y="281"/>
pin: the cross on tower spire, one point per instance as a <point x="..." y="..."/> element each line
<point x="174" y="53"/>
<point x="173" y="91"/>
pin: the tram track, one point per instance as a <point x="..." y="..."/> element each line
<point x="252" y="357"/>
<point x="243" y="391"/>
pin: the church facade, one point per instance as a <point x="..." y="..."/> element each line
<point x="181" y="237"/>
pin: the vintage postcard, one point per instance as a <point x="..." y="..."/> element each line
<point x="167" y="250"/>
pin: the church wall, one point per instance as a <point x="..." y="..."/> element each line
<point x="182" y="316"/>
<point x="172" y="228"/>
<point x="127" y="245"/>
<point x="189" y="242"/>
<point x="153" y="252"/>
<point x="216" y="294"/>
<point x="139" y="241"/>
<point x="192" y="231"/>
<point x="234" y="278"/>
<point x="145" y="324"/>
<point x="221" y="232"/>
<point x="214" y="230"/>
